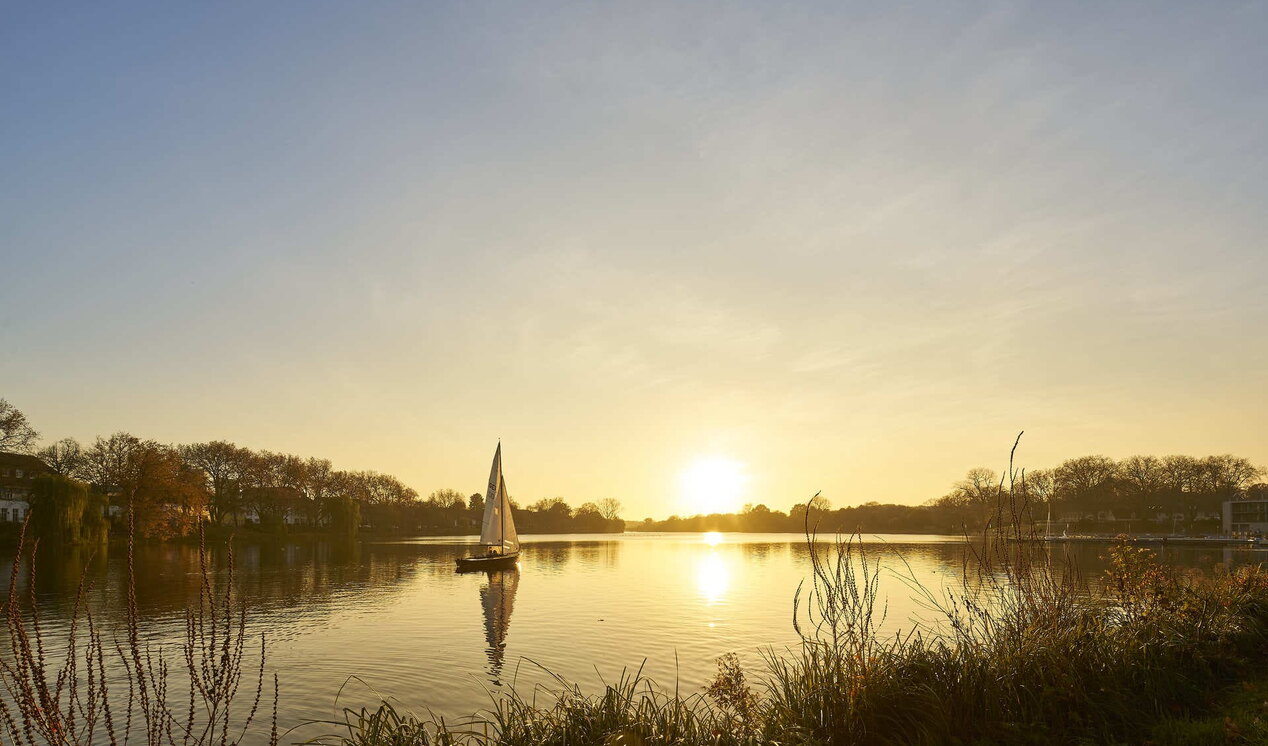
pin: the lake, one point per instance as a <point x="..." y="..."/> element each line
<point x="395" y="615"/>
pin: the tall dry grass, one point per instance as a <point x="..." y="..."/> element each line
<point x="99" y="685"/>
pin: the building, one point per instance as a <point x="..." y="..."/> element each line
<point x="285" y="505"/>
<point x="17" y="476"/>
<point x="1246" y="517"/>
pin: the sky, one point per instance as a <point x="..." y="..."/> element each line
<point x="849" y="248"/>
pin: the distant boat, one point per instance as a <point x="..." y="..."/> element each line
<point x="497" y="532"/>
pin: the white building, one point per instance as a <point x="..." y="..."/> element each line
<point x="17" y="475"/>
<point x="1246" y="517"/>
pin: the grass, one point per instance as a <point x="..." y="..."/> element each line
<point x="1240" y="716"/>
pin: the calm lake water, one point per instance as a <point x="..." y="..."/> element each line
<point x="395" y="615"/>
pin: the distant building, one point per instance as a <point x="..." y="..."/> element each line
<point x="282" y="504"/>
<point x="17" y="475"/>
<point x="1246" y="517"/>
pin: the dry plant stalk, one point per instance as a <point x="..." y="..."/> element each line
<point x="118" y="690"/>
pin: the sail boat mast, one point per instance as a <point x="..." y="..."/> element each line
<point x="501" y="505"/>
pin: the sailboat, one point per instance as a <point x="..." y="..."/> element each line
<point x="497" y="531"/>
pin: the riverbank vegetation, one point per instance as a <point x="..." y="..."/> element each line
<point x="1092" y="494"/>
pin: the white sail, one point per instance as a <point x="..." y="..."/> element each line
<point x="498" y="529"/>
<point x="510" y="539"/>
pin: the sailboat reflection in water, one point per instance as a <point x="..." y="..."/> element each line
<point x="498" y="598"/>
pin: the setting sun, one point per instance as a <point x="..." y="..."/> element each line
<point x="713" y="485"/>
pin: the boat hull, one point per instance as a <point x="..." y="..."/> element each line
<point x="493" y="562"/>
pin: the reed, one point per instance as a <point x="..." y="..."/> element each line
<point x="1028" y="652"/>
<point x="632" y="711"/>
<point x="95" y="685"/>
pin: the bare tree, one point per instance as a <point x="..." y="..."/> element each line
<point x="551" y="504"/>
<point x="1180" y="473"/>
<point x="1226" y="475"/>
<point x="447" y="500"/>
<point x="386" y="489"/>
<point x="323" y="490"/>
<point x="610" y="508"/>
<point x="65" y="457"/>
<point x="386" y="502"/>
<point x="352" y="485"/>
<point x="1039" y="485"/>
<point x="276" y="485"/>
<point x="1144" y="474"/>
<point x="1081" y="475"/>
<point x="106" y="462"/>
<point x="222" y="464"/>
<point x="321" y="478"/>
<point x="16" y="434"/>
<point x="978" y="488"/>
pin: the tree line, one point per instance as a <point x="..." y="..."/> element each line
<point x="1140" y="493"/>
<point x="172" y="489"/>
<point x="1098" y="488"/>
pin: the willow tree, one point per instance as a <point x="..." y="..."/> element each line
<point x="58" y="505"/>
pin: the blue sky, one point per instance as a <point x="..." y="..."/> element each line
<point x="853" y="248"/>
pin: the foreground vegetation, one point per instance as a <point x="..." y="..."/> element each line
<point x="90" y="684"/>
<point x="1237" y="714"/>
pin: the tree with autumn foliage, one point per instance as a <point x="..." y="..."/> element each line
<point x="164" y="495"/>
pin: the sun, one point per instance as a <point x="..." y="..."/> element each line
<point x="713" y="485"/>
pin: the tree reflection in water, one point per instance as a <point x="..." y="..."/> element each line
<point x="497" y="597"/>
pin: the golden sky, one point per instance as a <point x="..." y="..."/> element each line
<point x="842" y="250"/>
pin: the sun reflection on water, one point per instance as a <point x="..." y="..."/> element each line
<point x="712" y="538"/>
<point x="713" y="577"/>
